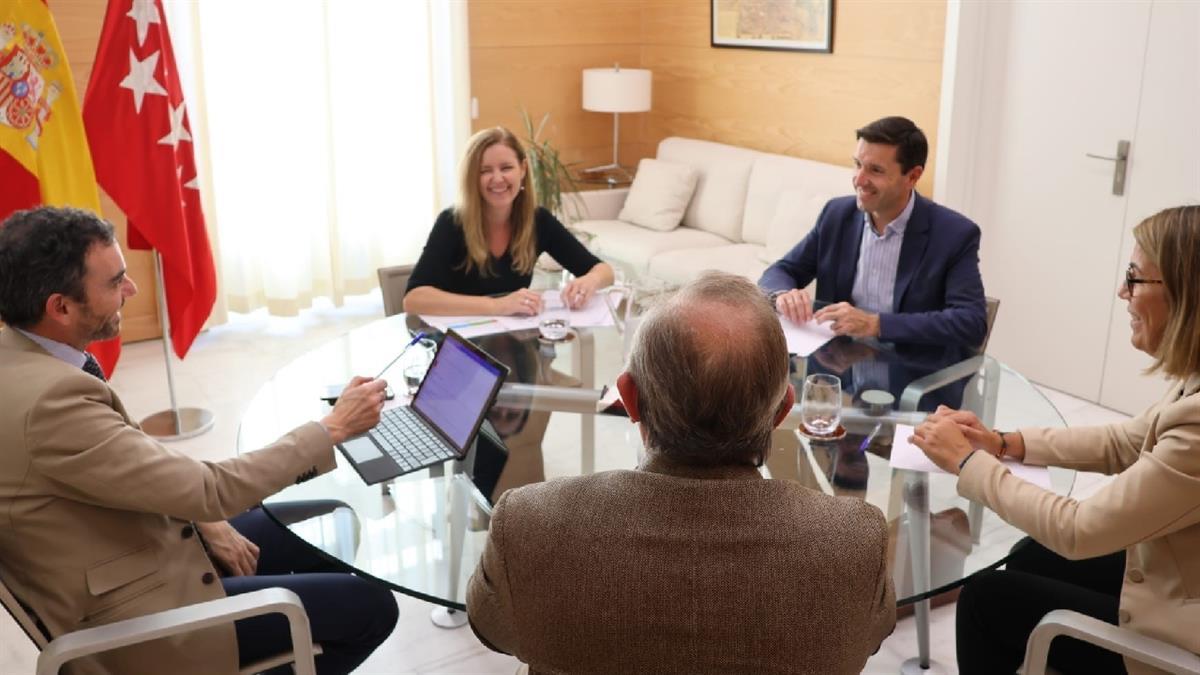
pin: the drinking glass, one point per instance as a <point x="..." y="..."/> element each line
<point x="821" y="404"/>
<point x="416" y="363"/>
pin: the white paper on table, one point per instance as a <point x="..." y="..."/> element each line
<point x="467" y="326"/>
<point x="806" y="338"/>
<point x="905" y="455"/>
<point x="594" y="313"/>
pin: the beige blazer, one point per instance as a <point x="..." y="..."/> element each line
<point x="94" y="514"/>
<point x="672" y="569"/>
<point x="1151" y="509"/>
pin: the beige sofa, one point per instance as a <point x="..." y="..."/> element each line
<point x="747" y="210"/>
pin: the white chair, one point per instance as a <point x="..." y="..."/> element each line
<point x="57" y="652"/>
<point x="1062" y="622"/>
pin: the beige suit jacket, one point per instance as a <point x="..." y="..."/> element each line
<point x="671" y="569"/>
<point x="1151" y="509"/>
<point x="94" y="514"/>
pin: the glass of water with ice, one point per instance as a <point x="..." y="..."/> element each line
<point x="821" y="404"/>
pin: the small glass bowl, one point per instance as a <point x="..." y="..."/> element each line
<point x="555" y="328"/>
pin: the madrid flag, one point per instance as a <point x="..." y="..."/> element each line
<point x="43" y="151"/>
<point x="137" y="126"/>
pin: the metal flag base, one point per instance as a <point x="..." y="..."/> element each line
<point x="174" y="424"/>
<point x="165" y="425"/>
<point x="444" y="617"/>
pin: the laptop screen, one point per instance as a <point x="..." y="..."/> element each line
<point x="457" y="390"/>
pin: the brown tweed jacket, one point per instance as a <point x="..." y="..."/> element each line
<point x="94" y="514"/>
<point x="672" y="569"/>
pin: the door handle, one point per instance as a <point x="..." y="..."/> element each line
<point x="1119" y="164"/>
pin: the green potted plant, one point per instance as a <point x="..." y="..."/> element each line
<point x="552" y="179"/>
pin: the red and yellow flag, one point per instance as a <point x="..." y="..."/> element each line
<point x="42" y="140"/>
<point x="44" y="157"/>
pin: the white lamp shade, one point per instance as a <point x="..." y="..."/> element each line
<point x="611" y="90"/>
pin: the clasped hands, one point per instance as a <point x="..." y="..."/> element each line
<point x="948" y="436"/>
<point x="846" y="319"/>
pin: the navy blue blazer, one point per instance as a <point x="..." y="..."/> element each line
<point x="938" y="296"/>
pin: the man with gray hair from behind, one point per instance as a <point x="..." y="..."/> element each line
<point x="693" y="562"/>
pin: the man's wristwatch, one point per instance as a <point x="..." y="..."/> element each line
<point x="772" y="296"/>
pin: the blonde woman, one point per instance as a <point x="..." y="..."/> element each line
<point x="480" y="254"/>
<point x="1129" y="554"/>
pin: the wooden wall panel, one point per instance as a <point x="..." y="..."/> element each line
<point x="79" y="23"/>
<point x="532" y="53"/>
<point x="886" y="61"/>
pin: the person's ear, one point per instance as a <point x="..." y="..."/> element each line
<point x="789" y="399"/>
<point x="58" y="309"/>
<point x="915" y="173"/>
<point x="629" y="396"/>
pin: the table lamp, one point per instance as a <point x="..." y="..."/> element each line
<point x="615" y="90"/>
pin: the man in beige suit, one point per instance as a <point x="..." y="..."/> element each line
<point x="97" y="521"/>
<point x="693" y="563"/>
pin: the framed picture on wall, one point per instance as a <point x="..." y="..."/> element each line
<point x="791" y="25"/>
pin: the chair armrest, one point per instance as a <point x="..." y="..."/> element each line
<point x="936" y="380"/>
<point x="601" y="204"/>
<point x="181" y="620"/>
<point x="1061" y="622"/>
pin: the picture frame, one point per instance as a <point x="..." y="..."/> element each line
<point x="782" y="25"/>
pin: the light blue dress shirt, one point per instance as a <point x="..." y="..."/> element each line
<point x="878" y="258"/>
<point x="58" y="350"/>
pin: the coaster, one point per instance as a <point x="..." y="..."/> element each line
<point x="837" y="434"/>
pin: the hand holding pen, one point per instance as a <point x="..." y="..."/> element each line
<point x="521" y="302"/>
<point x="577" y="292"/>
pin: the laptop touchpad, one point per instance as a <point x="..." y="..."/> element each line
<point x="362" y="449"/>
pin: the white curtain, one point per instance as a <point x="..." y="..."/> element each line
<point x="324" y="156"/>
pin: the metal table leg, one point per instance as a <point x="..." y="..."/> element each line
<point x="444" y="617"/>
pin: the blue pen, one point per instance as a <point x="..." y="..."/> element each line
<point x="415" y="340"/>
<point x="870" y="437"/>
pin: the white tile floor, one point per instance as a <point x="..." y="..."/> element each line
<point x="224" y="370"/>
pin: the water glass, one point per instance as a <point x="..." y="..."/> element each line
<point x="821" y="404"/>
<point x="416" y="363"/>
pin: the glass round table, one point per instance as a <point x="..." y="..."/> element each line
<point x="423" y="533"/>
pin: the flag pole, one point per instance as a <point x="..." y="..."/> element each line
<point x="176" y="423"/>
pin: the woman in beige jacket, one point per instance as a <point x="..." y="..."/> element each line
<point x="1130" y="554"/>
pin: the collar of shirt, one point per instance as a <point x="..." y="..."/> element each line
<point x="57" y="349"/>
<point x="899" y="224"/>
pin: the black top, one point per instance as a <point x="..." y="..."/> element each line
<point x="441" y="263"/>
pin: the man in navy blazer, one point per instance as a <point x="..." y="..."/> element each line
<point x="890" y="263"/>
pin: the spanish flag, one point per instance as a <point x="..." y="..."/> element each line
<point x="44" y="157"/>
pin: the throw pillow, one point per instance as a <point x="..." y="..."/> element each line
<point x="659" y="195"/>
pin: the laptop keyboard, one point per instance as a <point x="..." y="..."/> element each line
<point x="413" y="445"/>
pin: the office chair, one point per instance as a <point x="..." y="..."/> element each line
<point x="393" y="281"/>
<point x="57" y="652"/>
<point x="1062" y="622"/>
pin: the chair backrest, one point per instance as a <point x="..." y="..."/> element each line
<point x="22" y="615"/>
<point x="993" y="306"/>
<point x="393" y="281"/>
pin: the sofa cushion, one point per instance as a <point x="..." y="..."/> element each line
<point x="723" y="172"/>
<point x="772" y="175"/>
<point x="795" y="216"/>
<point x="632" y="246"/>
<point x="659" y="195"/>
<point x="681" y="266"/>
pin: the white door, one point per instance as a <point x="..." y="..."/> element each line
<point x="1057" y="81"/>
<point x="1164" y="171"/>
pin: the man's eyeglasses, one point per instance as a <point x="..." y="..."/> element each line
<point x="1131" y="281"/>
